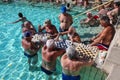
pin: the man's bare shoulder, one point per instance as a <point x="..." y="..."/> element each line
<point x="108" y="28"/>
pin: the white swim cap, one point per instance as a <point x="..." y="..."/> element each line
<point x="50" y="43"/>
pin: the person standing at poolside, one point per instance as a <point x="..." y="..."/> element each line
<point x="49" y="56"/>
<point x="65" y="20"/>
<point x="104" y="38"/>
<point x="71" y="65"/>
<point x="30" y="50"/>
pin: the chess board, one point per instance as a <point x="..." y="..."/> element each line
<point x="41" y="37"/>
<point x="87" y="52"/>
<point x="63" y="44"/>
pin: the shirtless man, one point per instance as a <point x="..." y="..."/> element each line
<point x="21" y="18"/>
<point x="90" y="20"/>
<point x="105" y="37"/>
<point x="30" y="50"/>
<point x="27" y="26"/>
<point x="65" y="20"/>
<point x="49" y="28"/>
<point x="71" y="65"/>
<point x="49" y="56"/>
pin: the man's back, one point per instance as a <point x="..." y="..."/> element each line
<point x="71" y="67"/>
<point x="49" y="55"/>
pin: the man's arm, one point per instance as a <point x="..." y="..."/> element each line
<point x="100" y="37"/>
<point x="63" y="33"/>
<point x="41" y="28"/>
<point x="96" y="36"/>
<point x="84" y="63"/>
<point x="59" y="52"/>
<point x="16" y="21"/>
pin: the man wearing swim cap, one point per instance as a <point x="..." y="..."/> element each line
<point x="65" y="20"/>
<point x="30" y="50"/>
<point x="49" y="56"/>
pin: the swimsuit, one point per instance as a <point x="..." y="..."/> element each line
<point x="48" y="72"/>
<point x="29" y="56"/>
<point x="70" y="77"/>
<point x="102" y="46"/>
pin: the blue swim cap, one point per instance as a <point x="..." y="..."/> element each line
<point x="27" y="34"/>
<point x="63" y="9"/>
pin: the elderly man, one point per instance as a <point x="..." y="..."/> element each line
<point x="71" y="65"/>
<point x="30" y="49"/>
<point x="49" y="28"/>
<point x="104" y="38"/>
<point x="49" y="56"/>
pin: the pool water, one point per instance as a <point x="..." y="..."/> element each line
<point x="13" y="63"/>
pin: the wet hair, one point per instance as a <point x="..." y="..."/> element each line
<point x="20" y="14"/>
<point x="105" y="18"/>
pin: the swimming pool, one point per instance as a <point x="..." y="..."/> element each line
<point x="13" y="63"/>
